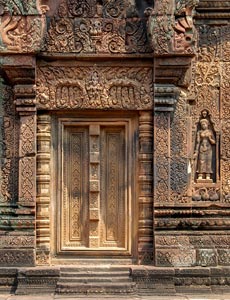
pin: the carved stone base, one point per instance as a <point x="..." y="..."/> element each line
<point x="8" y="282"/>
<point x="17" y="257"/>
<point x="37" y="281"/>
<point x="143" y="280"/>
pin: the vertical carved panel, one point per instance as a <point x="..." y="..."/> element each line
<point x="145" y="228"/>
<point x="94" y="193"/>
<point x="179" y="177"/>
<point x="74" y="209"/>
<point x="113" y="198"/>
<point x="27" y="161"/>
<point x="43" y="189"/>
<point x="9" y="147"/>
<point x="162" y="159"/>
<point x="225" y="140"/>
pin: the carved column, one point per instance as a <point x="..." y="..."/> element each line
<point x="145" y="228"/>
<point x="43" y="189"/>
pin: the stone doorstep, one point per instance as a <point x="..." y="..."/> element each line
<point x="149" y="280"/>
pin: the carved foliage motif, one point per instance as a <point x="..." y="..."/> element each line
<point x="117" y="87"/>
<point x="88" y="27"/>
<point x="28" y="136"/>
<point x="9" y="148"/>
<point x="162" y="164"/>
<point x="179" y="160"/>
<point x="27" y="170"/>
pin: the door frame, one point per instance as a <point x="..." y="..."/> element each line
<point x="131" y="118"/>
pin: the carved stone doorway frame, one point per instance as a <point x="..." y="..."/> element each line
<point x="142" y="226"/>
<point x="109" y="87"/>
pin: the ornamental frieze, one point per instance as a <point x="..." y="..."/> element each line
<point x="94" y="88"/>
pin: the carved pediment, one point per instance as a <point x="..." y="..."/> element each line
<point x="97" y="27"/>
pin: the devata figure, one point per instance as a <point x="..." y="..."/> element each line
<point x="203" y="152"/>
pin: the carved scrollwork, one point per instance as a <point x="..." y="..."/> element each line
<point x="171" y="29"/>
<point x="82" y="8"/>
<point x="15" y="7"/>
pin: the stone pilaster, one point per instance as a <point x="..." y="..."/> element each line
<point x="145" y="227"/>
<point x="25" y="105"/>
<point x="43" y="189"/>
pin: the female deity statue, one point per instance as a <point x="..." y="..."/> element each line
<point x="203" y="152"/>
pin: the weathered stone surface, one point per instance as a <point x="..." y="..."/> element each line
<point x="17" y="257"/>
<point x="114" y="141"/>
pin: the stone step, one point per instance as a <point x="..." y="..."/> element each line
<point x="96" y="288"/>
<point x="95" y="274"/>
<point x="87" y="279"/>
<point x="89" y="269"/>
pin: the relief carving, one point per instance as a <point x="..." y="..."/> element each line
<point x="9" y="148"/>
<point x="204" y="154"/>
<point x="100" y="88"/>
<point x="16" y="7"/>
<point x="21" y="26"/>
<point x="92" y="27"/>
<point x="171" y="28"/>
<point x="206" y="162"/>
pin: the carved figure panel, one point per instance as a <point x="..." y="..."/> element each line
<point x="100" y="88"/>
<point x="205" y="153"/>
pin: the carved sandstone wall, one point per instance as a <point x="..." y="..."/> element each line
<point x="170" y="67"/>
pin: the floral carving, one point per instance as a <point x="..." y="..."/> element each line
<point x="162" y="185"/>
